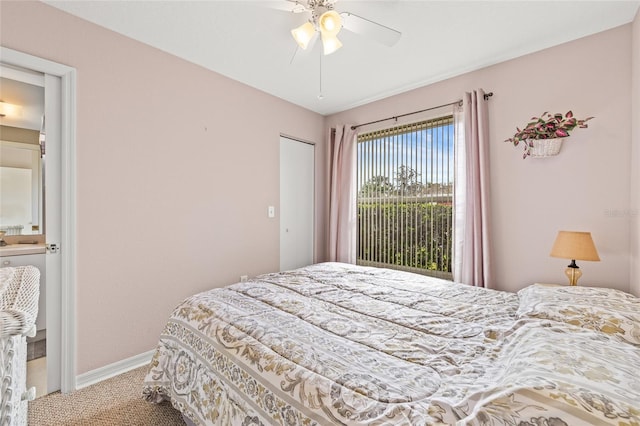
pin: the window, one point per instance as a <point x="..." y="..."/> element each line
<point x="405" y="197"/>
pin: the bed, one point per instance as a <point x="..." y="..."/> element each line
<point x="342" y="344"/>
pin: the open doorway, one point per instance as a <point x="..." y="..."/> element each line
<point x="54" y="229"/>
<point x="22" y="207"/>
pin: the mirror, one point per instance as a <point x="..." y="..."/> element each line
<point x="21" y="209"/>
<point x="21" y="165"/>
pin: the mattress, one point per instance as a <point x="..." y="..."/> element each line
<point x="342" y="344"/>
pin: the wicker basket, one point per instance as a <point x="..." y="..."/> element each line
<point x="19" y="308"/>
<point x="546" y="147"/>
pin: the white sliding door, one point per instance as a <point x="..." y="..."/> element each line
<point x="53" y="227"/>
<point x="296" y="203"/>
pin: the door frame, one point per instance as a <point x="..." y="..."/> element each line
<point x="67" y="75"/>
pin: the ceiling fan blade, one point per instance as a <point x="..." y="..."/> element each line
<point x="291" y="6"/>
<point x="359" y="25"/>
<point x="298" y="6"/>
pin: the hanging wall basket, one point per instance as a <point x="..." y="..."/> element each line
<point x="545" y="147"/>
<point x="547" y="132"/>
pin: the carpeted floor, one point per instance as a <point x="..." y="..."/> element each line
<point x="113" y="402"/>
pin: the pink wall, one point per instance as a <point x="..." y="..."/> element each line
<point x="176" y="168"/>
<point x="149" y="122"/>
<point x="635" y="158"/>
<point x="586" y="187"/>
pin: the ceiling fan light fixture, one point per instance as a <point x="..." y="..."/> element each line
<point x="303" y="34"/>
<point x="330" y="23"/>
<point x="330" y="43"/>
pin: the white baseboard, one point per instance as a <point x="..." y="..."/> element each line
<point x="103" y="373"/>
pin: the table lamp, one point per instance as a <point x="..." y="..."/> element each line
<point x="575" y="246"/>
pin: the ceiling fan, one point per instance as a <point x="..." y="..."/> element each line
<point x="327" y="22"/>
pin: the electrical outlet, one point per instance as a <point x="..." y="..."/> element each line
<point x="243" y="278"/>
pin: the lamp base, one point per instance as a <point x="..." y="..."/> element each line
<point x="573" y="272"/>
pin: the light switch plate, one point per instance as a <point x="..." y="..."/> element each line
<point x="272" y="212"/>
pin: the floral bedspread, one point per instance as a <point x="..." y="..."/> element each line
<point x="342" y="344"/>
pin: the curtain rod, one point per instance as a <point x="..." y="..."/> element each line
<point x="459" y="102"/>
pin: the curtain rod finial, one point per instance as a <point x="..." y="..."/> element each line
<point x="487" y="96"/>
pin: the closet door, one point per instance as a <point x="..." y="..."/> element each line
<point x="296" y="203"/>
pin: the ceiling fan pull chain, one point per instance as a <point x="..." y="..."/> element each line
<point x="320" y="96"/>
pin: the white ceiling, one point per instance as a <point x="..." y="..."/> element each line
<point x="250" y="41"/>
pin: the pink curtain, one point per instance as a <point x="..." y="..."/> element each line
<point x="342" y="194"/>
<point x="471" y="233"/>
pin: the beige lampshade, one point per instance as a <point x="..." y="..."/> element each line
<point x="330" y="44"/>
<point x="330" y="23"/>
<point x="303" y="34"/>
<point x="574" y="245"/>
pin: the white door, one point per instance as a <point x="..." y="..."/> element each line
<point x="53" y="226"/>
<point x="296" y="203"/>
